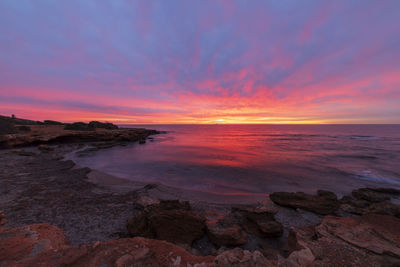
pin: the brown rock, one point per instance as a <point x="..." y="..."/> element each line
<point x="259" y="222"/>
<point x="354" y="206"/>
<point x="324" y="202"/>
<point x="170" y="220"/>
<point x="26" y="242"/>
<point x="302" y="257"/>
<point x="385" y="207"/>
<point x="370" y="240"/>
<point x="222" y="235"/>
<point x="370" y="195"/>
<point x="241" y="258"/>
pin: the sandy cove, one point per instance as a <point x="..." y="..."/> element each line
<point x="85" y="217"/>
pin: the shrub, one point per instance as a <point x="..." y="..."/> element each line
<point x="79" y="126"/>
<point x="49" y="122"/>
<point x="103" y="125"/>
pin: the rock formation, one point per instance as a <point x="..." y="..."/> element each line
<point x="324" y="202"/>
<point x="370" y="240"/>
<point x="169" y="220"/>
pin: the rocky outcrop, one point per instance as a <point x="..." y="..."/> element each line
<point x="55" y="134"/>
<point x="369" y="195"/>
<point x="370" y="240"/>
<point x="370" y="200"/>
<point x="324" y="202"/>
<point x="169" y="220"/>
<point x="385" y="190"/>
<point x="233" y="229"/>
<point x="45" y="245"/>
<point x="386" y="208"/>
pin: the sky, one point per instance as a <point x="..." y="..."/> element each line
<point x="201" y="61"/>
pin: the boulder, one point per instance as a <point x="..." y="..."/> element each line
<point x="226" y="235"/>
<point x="325" y="202"/>
<point x="259" y="222"/>
<point x="169" y="220"/>
<point x="370" y="195"/>
<point x="369" y="240"/>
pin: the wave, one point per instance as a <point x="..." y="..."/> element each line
<point x="356" y="156"/>
<point x="368" y="176"/>
<point x="364" y="137"/>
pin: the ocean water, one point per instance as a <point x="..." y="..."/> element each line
<point x="259" y="159"/>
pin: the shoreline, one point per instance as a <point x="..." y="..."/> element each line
<point x="39" y="186"/>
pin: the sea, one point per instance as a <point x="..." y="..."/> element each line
<point x="258" y="159"/>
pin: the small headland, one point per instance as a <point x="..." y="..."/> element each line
<point x="16" y="132"/>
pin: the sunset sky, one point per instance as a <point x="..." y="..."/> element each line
<point x="167" y="61"/>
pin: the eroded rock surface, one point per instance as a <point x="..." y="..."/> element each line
<point x="369" y="195"/>
<point x="370" y="240"/>
<point x="371" y="200"/>
<point x="45" y="245"/>
<point x="28" y="242"/>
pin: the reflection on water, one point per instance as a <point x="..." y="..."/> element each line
<point x="255" y="159"/>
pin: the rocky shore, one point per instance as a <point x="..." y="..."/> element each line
<point x="56" y="213"/>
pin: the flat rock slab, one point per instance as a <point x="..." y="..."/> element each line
<point x="369" y="240"/>
<point x="324" y="202"/>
